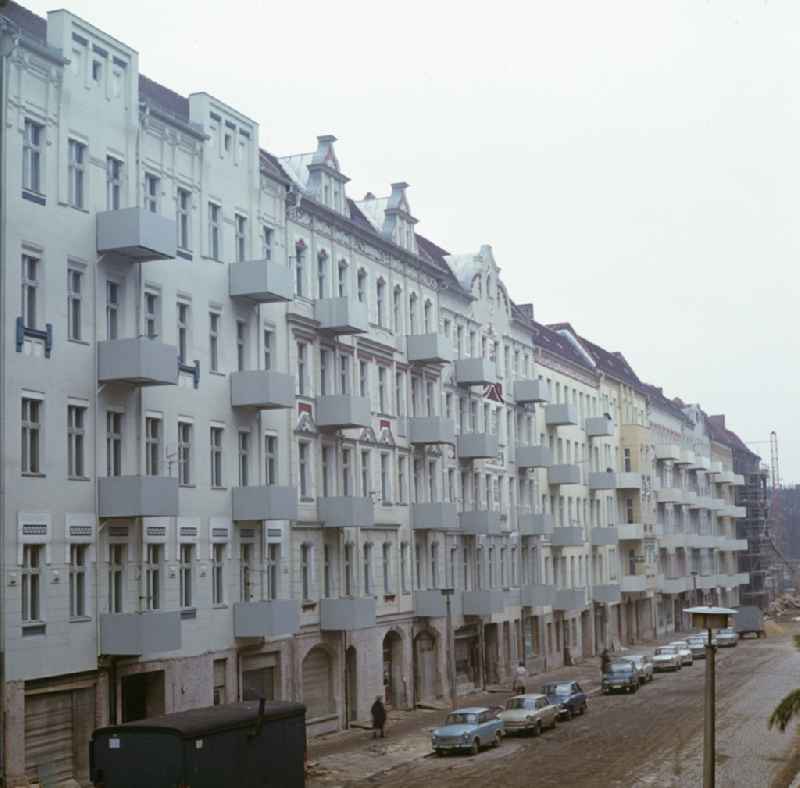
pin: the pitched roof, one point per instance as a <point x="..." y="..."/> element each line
<point x="168" y="100"/>
<point x="720" y="433"/>
<point x="656" y="396"/>
<point x="28" y="22"/>
<point x="555" y="343"/>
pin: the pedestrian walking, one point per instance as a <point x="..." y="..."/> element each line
<point x="605" y="661"/>
<point x="520" y="676"/>
<point x="378" y="717"/>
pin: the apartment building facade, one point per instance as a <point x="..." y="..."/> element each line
<point x="254" y="427"/>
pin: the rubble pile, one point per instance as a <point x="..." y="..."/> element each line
<point x="785" y="604"/>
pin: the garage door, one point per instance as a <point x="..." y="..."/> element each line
<point x="48" y="737"/>
<point x="317" y="679"/>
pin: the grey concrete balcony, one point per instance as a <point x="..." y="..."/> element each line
<point x="533" y="456"/>
<point x="564" y="474"/>
<point x="267" y="502"/>
<point x="674" y="585"/>
<point x="561" y="414"/>
<point x="567" y="536"/>
<point x="136" y="234"/>
<point x="736" y="545"/>
<point x="343" y="315"/>
<point x="669" y="495"/>
<point x="534" y="523"/>
<point x="430" y="430"/>
<point x="634" y="584"/>
<point x="342" y="411"/>
<point x="267" y="618"/>
<point x="434" y="516"/>
<point x="629" y="480"/>
<point x="346" y="511"/>
<point x="260" y="282"/>
<point x="599" y="427"/>
<point x="569" y="599"/>
<point x="262" y="389"/>
<point x="138" y="361"/>
<point x="476" y="522"/>
<point x="668" y="451"/>
<point x="738" y="480"/>
<point x="475" y="371"/>
<point x="630" y="532"/>
<point x="432" y="603"/>
<point x="486" y="602"/>
<point x="528" y="391"/>
<point x="602" y="480"/>
<point x="732" y="511"/>
<point x="686" y="458"/>
<point x="137" y="496"/>
<point x="476" y="446"/>
<point x="537" y="595"/>
<point x="428" y="349"/>
<point x="134" y="634"/>
<point x="724" y="477"/>
<point x="691" y="499"/>
<point x="346" y="614"/>
<point x="606" y="594"/>
<point x="716" y="504"/>
<point x="602" y="537"/>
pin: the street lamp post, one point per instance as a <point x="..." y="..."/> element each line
<point x="708" y="618"/>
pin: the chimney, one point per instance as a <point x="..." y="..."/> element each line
<point x="527" y="310"/>
<point x="369" y="196"/>
<point x="718" y="420"/>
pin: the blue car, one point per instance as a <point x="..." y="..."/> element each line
<point x="468" y="729"/>
<point x="568" y="696"/>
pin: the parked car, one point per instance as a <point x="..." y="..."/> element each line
<point x="697" y="645"/>
<point x="727" y="637"/>
<point x="568" y="696"/>
<point x="468" y="729"/>
<point x="621" y="675"/>
<point x="643" y="664"/>
<point x="529" y="714"/>
<point x="666" y="658"/>
<point x="684" y="651"/>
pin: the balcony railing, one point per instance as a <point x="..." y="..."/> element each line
<point x="475" y="372"/>
<point x="477" y="446"/>
<point x="533" y="456"/>
<point x="134" y="634"/>
<point x="564" y="474"/>
<point x="266" y="618"/>
<point x="602" y="537"/>
<point x="567" y="536"/>
<point x="343" y="315"/>
<point x="599" y="427"/>
<point x="266" y="502"/>
<point x="138" y="361"/>
<point x="428" y="349"/>
<point x="262" y="389"/>
<point x="606" y="593"/>
<point x="534" y="523"/>
<point x="485" y="602"/>
<point x="569" y="599"/>
<point x="432" y="603"/>
<point x="346" y="511"/>
<point x="537" y="595"/>
<point x="561" y="414"/>
<point x="347" y="614"/>
<point x="137" y="496"/>
<point x="430" y="430"/>
<point x="531" y="391"/>
<point x="480" y="522"/>
<point x="136" y="234"/>
<point x="260" y="281"/>
<point x="342" y="411"/>
<point x="434" y="516"/>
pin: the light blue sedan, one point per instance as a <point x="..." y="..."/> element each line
<point x="468" y="729"/>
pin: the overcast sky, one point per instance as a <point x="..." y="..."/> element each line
<point x="633" y="164"/>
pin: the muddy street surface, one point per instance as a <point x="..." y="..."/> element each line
<point x="651" y="738"/>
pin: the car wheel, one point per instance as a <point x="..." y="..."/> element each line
<point x="570" y="714"/>
<point x="475" y="747"/>
<point x="498" y="737"/>
<point x="555" y="723"/>
<point x="537" y="731"/>
<point x="584" y="709"/>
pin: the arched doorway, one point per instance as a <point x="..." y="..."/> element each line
<point x="425" y="667"/>
<point x="351" y="679"/>
<point x="393" y="688"/>
<point x="317" y="687"/>
<point x="491" y="653"/>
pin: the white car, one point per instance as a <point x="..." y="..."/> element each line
<point x="726" y="637"/>
<point x="529" y="714"/>
<point x="666" y="658"/>
<point x="684" y="651"/>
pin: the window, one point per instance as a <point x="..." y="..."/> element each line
<point x="183" y="331"/>
<point x="112" y="310"/>
<point x="116" y="578"/>
<point x="363" y="378"/>
<point x="365" y="474"/>
<point x="348" y="569"/>
<point x="428" y="317"/>
<point x="412" y="313"/>
<point x="382" y="389"/>
<point x="324" y="370"/>
<point x="241" y="344"/>
<point x="327" y="470"/>
<point x="303" y="460"/>
<point x="301" y="368"/>
<point x="184" y="453"/>
<point x="113" y="183"/>
<point x="31" y="432"/>
<point x="97" y="71"/>
<point x="240" y="229"/>
<point x="214" y="238"/>
<point x="322" y="273"/>
<point x="213" y="341"/>
<point x="386" y="556"/>
<point x="77" y="580"/>
<point x="299" y="269"/>
<point x="31" y="582"/>
<point x="327" y="570"/>
<point x="268" y="337"/>
<point x="381" y="297"/>
<point x="397" y="310"/>
<point x="113" y="443"/>
<point x="152" y="187"/>
<point x="152" y="429"/>
<point x="342" y="278"/>
<point x="435" y="565"/>
<point x="346" y="472"/>
<point x="305" y="570"/>
<point x="74" y="303"/>
<point x="76" y="173"/>
<point x="76" y="427"/>
<point x="152" y="577"/>
<point x="273" y="567"/>
<point x="385" y="491"/>
<point x="271" y="459"/>
<point x="362" y="286"/>
<point x="185" y="589"/>
<point x="32" y="156"/>
<point x="368" y="585"/>
<point x="401" y="479"/>
<point x="244" y="458"/>
<point x="215" y="436"/>
<point x="266" y="242"/>
<point x="246" y="572"/>
<point x="344" y="374"/>
<point x="218" y="574"/>
<point x="404" y="567"/>
<point x="400" y="393"/>
<point x="151" y="314"/>
<point x="30" y="291"/>
<point x="184" y="216"/>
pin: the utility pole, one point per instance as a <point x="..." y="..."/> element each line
<point x="710" y="715"/>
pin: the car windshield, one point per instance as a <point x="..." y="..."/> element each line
<point x="679" y="645"/>
<point x="666" y="650"/>
<point x="726" y="631"/>
<point x="520" y="703"/>
<point x="620" y="667"/>
<point x="459" y="718"/>
<point x="636" y="660"/>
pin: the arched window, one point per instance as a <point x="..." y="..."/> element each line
<point x="479" y="282"/>
<point x="428" y="314"/>
<point x="488" y="286"/>
<point x="412" y="313"/>
<point x="380" y="291"/>
<point x="342" y="274"/>
<point x="299" y="268"/>
<point x="322" y="273"/>
<point x="397" y="309"/>
<point x="362" y="286"/>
